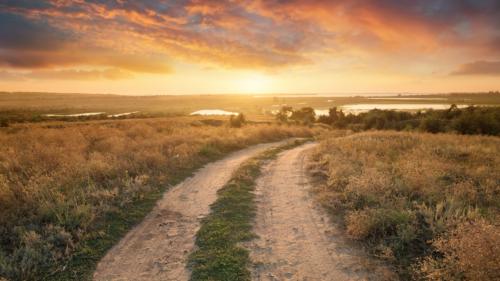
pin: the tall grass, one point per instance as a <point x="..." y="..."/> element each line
<point x="61" y="185"/>
<point x="428" y="203"/>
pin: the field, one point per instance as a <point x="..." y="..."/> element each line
<point x="71" y="187"/>
<point x="249" y="140"/>
<point x="429" y="204"/>
<point x="31" y="107"/>
<point x="68" y="191"/>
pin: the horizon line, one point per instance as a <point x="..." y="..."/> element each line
<point x="338" y="94"/>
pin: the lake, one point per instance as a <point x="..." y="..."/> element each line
<point x="74" y="115"/>
<point x="364" y="107"/>
<point x="213" y="112"/>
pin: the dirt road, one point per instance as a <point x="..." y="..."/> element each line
<point x="158" y="247"/>
<point x="296" y="240"/>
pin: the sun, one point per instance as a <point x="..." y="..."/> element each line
<point x="254" y="84"/>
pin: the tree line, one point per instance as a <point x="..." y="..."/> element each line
<point x="469" y="120"/>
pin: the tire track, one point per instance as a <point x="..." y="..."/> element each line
<point x="295" y="241"/>
<point x="157" y="248"/>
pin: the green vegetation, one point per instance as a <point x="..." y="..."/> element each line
<point x="31" y="107"/>
<point x="429" y="204"/>
<point x="470" y="120"/>
<point x="304" y="116"/>
<point x="10" y="117"/>
<point x="69" y="191"/>
<point x="219" y="257"/>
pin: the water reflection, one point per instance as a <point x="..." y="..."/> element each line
<point x="364" y="107"/>
<point x="213" y="112"/>
<point x="74" y="115"/>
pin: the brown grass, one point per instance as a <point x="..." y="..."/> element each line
<point x="471" y="252"/>
<point x="422" y="201"/>
<point x="58" y="181"/>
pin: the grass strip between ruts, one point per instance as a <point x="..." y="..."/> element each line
<point x="82" y="265"/>
<point x="218" y="255"/>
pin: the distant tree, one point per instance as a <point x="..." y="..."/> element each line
<point x="4" y="122"/>
<point x="305" y="115"/>
<point x="432" y="124"/>
<point x="470" y="120"/>
<point x="284" y="113"/>
<point x="335" y="118"/>
<point x="333" y="114"/>
<point x="236" y="121"/>
<point x="451" y="112"/>
<point x="325" y="119"/>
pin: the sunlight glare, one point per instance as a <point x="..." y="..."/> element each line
<point x="254" y="84"/>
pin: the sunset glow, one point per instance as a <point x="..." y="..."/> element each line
<point x="293" y="46"/>
<point x="255" y="83"/>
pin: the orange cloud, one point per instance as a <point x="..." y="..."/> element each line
<point x="146" y="36"/>
<point x="479" y="68"/>
<point x="67" y="74"/>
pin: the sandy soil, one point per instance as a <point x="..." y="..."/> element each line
<point x="296" y="239"/>
<point x="157" y="248"/>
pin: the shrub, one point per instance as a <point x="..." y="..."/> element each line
<point x="284" y="113"/>
<point x="402" y="193"/>
<point x="237" y="121"/>
<point x="470" y="120"/>
<point x="432" y="125"/>
<point x="469" y="252"/>
<point x="375" y="223"/>
<point x="304" y="116"/>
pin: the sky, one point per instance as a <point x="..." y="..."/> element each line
<point x="250" y="47"/>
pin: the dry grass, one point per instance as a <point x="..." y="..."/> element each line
<point x="428" y="203"/>
<point x="471" y="252"/>
<point x="58" y="182"/>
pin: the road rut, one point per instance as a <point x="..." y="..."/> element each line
<point x="157" y="248"/>
<point x="296" y="239"/>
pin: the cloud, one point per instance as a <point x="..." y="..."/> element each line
<point x="67" y="74"/>
<point x="145" y="36"/>
<point x="91" y="57"/>
<point x="10" y="76"/>
<point x="20" y="33"/>
<point x="72" y="74"/>
<point x="40" y="37"/>
<point x="479" y="68"/>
